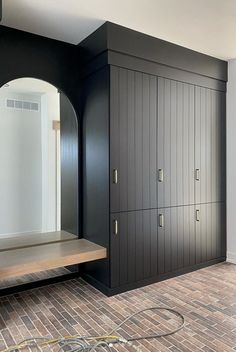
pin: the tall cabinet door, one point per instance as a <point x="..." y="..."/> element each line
<point x="133" y="129"/>
<point x="209" y="145"/>
<point x="175" y="143"/>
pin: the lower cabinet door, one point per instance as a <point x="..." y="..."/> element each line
<point x="133" y="250"/>
<point x="210" y="231"/>
<point x="148" y="243"/>
<point x="176" y="238"/>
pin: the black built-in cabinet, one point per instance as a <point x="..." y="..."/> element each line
<point x="154" y="158"/>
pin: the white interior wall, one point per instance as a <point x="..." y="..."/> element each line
<point x="231" y="161"/>
<point x="20" y="160"/>
<point x="30" y="173"/>
<point x="51" y="205"/>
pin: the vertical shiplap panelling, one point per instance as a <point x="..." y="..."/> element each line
<point x="203" y="231"/>
<point x="160" y="139"/>
<point x="188" y="145"/>
<point x="154" y="241"/>
<point x="209" y="146"/>
<point x="175" y="143"/>
<point x="147" y="243"/>
<point x="209" y="223"/>
<point x="133" y="140"/>
<point x="123" y="139"/>
<point x="192" y="234"/>
<point x="221" y="228"/>
<point x="203" y="146"/>
<point x="131" y="177"/>
<point x="186" y="235"/>
<point x="123" y="250"/>
<point x="167" y="240"/>
<point x="197" y="139"/>
<point x="200" y="144"/>
<point x="220" y="150"/>
<point x="214" y="230"/>
<point x="146" y="141"/>
<point x="115" y="251"/>
<point x="180" y="237"/>
<point x="153" y="141"/>
<point x="174" y="238"/>
<point x="139" y="246"/>
<point x="222" y="163"/>
<point x="179" y="143"/>
<point x="161" y="242"/>
<point x="142" y="249"/>
<point x="131" y="246"/>
<point x="198" y="236"/>
<point x="134" y="249"/>
<point x="183" y="237"/>
<point x="210" y="231"/>
<point x="214" y="141"/>
<point x="167" y="143"/>
<point x="200" y="225"/>
<point x="209" y="156"/>
<point x="138" y="141"/>
<point x="222" y="232"/>
<point x="217" y="167"/>
<point x="114" y="138"/>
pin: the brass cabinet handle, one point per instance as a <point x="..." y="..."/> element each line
<point x="197" y="215"/>
<point x="115" y="176"/>
<point x="115" y="227"/>
<point x="197" y="174"/>
<point x="161" y="220"/>
<point x="160" y="175"/>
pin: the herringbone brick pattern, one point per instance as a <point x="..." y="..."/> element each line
<point x="207" y="298"/>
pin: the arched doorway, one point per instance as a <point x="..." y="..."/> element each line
<point x="39" y="187"/>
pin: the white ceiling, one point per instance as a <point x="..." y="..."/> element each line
<point x="208" y="26"/>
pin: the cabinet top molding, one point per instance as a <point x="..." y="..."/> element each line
<point x="113" y="37"/>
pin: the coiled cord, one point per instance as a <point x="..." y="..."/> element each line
<point x="94" y="343"/>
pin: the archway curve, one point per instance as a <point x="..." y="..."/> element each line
<point x="51" y="83"/>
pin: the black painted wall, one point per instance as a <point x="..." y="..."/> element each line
<point x="27" y="55"/>
<point x="69" y="167"/>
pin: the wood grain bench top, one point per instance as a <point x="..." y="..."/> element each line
<point x="48" y="256"/>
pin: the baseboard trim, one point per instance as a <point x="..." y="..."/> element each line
<point x="231" y="257"/>
<point x="124" y="288"/>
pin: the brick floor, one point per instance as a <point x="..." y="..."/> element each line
<point x="207" y="298"/>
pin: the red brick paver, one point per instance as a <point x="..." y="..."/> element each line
<point x="206" y="297"/>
